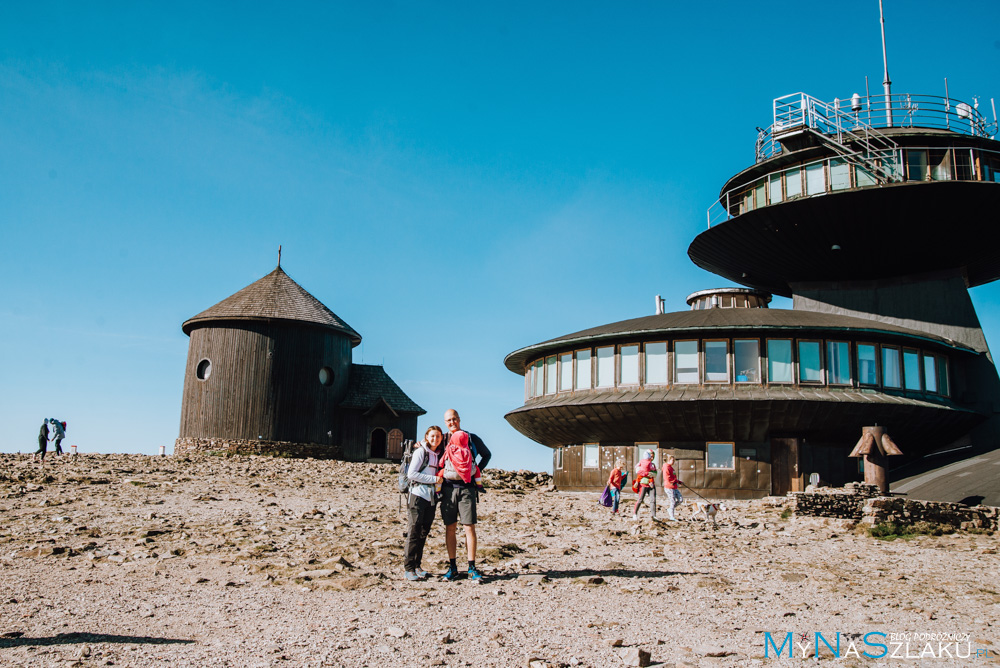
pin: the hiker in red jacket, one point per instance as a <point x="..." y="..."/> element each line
<point x="670" y="487"/>
<point x="645" y="476"/>
<point x="615" y="485"/>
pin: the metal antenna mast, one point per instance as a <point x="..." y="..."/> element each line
<point x="886" y="83"/>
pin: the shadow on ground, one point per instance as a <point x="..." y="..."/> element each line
<point x="14" y="640"/>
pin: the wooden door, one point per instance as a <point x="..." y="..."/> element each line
<point x="784" y="466"/>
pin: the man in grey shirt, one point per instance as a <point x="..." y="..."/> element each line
<point x="458" y="503"/>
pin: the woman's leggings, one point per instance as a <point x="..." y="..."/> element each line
<point x="642" y="495"/>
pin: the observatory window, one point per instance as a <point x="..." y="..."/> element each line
<point x="656" y="363"/>
<point x="779" y="360"/>
<point x="686" y="362"/>
<point x="566" y="372"/>
<point x="630" y="365"/>
<point x="793" y="183"/>
<point x="746" y="353"/>
<point x="840" y="174"/>
<point x="606" y="367"/>
<point x="815" y="178"/>
<point x="591" y="455"/>
<point x="963" y="164"/>
<point x="558" y="456"/>
<point x="911" y="370"/>
<point x="538" y="378"/>
<point x="550" y="375"/>
<point x="583" y="369"/>
<point x="940" y="162"/>
<point x="760" y="194"/>
<point x="717" y="361"/>
<point x="720" y="456"/>
<point x="930" y="373"/>
<point x="810" y="365"/>
<point x="863" y="178"/>
<point x="867" y="364"/>
<point x="203" y="370"/>
<point x="916" y="165"/>
<point x="942" y="369"/>
<point x="891" y="374"/>
<point x="326" y="376"/>
<point x="838" y="362"/>
<point x="774" y="188"/>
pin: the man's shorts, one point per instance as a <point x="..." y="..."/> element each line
<point x="458" y="504"/>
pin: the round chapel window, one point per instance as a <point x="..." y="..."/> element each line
<point x="204" y="369"/>
<point x="326" y="376"/>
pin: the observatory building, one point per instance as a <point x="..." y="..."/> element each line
<point x="269" y="372"/>
<point x="869" y="213"/>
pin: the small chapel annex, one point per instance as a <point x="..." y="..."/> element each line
<point x="269" y="371"/>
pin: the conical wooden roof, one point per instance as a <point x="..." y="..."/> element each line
<point x="274" y="297"/>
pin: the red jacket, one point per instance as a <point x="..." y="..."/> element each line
<point x="615" y="481"/>
<point x="645" y="469"/>
<point x="669" y="477"/>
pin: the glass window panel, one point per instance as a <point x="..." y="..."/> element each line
<point x="760" y="193"/>
<point x="747" y="357"/>
<point x="810" y="370"/>
<point x="840" y="174"/>
<point x="550" y="375"/>
<point x="911" y="370"/>
<point x="940" y="161"/>
<point x="930" y="373"/>
<point x="539" y="378"/>
<point x="559" y="457"/>
<point x="686" y="362"/>
<point x="774" y="188"/>
<point x="863" y="177"/>
<point x="815" y="179"/>
<point x="793" y="183"/>
<point x="942" y="369"/>
<point x="656" y="363"/>
<point x="719" y="456"/>
<point x="630" y="365"/>
<point x="717" y="361"/>
<point x="838" y="362"/>
<point x="891" y="375"/>
<point x="583" y="369"/>
<point x="591" y="455"/>
<point x="779" y="360"/>
<point x="606" y="367"/>
<point x="963" y="164"/>
<point x="916" y="165"/>
<point x="565" y="372"/>
<point x="867" y="364"/>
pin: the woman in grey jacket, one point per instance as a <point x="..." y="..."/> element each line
<point x="420" y="502"/>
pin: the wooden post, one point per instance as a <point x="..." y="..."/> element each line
<point x="876" y="461"/>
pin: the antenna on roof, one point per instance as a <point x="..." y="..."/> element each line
<point x="886" y="83"/>
<point x="279" y="255"/>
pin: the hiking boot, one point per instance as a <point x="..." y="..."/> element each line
<point x="422" y="574"/>
<point x="411" y="576"/>
<point x="475" y="575"/>
<point x="451" y="575"/>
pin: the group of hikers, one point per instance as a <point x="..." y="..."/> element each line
<point x="446" y="475"/>
<point x="645" y="485"/>
<point x="52" y="430"/>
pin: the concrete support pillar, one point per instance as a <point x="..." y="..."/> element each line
<point x="876" y="461"/>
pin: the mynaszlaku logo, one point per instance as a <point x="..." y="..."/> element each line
<point x="872" y="645"/>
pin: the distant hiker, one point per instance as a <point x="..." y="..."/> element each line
<point x="645" y="479"/>
<point x="420" y="502"/>
<point x="458" y="503"/>
<point x="43" y="441"/>
<point x="58" y="433"/>
<point x="670" y="487"/>
<point x="615" y="485"/>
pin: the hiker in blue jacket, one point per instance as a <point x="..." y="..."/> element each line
<point x="458" y="503"/>
<point x="420" y="503"/>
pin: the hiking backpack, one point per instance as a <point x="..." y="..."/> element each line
<point x="404" y="466"/>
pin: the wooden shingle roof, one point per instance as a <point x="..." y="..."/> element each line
<point x="369" y="384"/>
<point x="274" y="297"/>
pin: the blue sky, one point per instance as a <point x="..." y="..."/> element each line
<point x="455" y="180"/>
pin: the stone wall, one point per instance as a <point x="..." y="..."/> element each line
<point x="910" y="511"/>
<point x="845" y="502"/>
<point x="183" y="446"/>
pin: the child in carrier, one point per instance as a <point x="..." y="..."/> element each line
<point x="459" y="464"/>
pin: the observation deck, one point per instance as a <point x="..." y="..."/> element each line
<point x="860" y="189"/>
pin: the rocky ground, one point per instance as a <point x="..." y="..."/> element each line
<point x="131" y="560"/>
